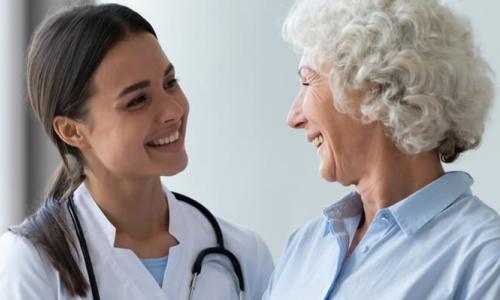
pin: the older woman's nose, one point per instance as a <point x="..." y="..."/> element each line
<point x="296" y="117"/>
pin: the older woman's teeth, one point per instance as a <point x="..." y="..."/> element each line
<point x="318" y="141"/>
<point x="165" y="140"/>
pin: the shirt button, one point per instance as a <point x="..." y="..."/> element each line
<point x="384" y="218"/>
<point x="364" y="249"/>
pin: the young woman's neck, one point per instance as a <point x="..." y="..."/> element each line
<point x="136" y="207"/>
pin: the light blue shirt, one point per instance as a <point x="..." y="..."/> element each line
<point x="156" y="266"/>
<point x="441" y="242"/>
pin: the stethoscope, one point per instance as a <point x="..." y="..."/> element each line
<point x="196" y="269"/>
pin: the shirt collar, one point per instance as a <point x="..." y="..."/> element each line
<point x="347" y="209"/>
<point x="411" y="213"/>
<point x="416" y="210"/>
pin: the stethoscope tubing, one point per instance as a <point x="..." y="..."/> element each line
<point x="85" y="251"/>
<point x="197" y="265"/>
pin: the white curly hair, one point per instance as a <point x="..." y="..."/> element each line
<point x="415" y="60"/>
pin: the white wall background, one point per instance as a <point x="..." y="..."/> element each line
<point x="240" y="78"/>
<point x="12" y="130"/>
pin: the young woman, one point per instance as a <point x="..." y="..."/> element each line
<point x="108" y="98"/>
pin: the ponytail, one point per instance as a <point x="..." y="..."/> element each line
<point x="49" y="232"/>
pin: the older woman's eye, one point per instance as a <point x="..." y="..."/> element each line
<point x="305" y="83"/>
<point x="170" y="83"/>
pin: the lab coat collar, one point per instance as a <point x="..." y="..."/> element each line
<point x="96" y="223"/>
<point x="100" y="235"/>
<point x="93" y="221"/>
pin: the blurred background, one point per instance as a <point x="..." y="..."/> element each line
<point x="240" y="77"/>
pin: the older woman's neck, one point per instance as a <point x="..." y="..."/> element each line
<point x="391" y="178"/>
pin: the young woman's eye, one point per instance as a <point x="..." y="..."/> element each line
<point x="137" y="101"/>
<point x="170" y="83"/>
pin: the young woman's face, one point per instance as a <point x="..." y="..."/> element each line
<point x="137" y="115"/>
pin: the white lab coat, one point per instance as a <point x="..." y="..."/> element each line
<point x="26" y="274"/>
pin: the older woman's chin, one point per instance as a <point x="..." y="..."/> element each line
<point x="327" y="172"/>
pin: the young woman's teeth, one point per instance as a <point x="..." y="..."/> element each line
<point x="318" y="141"/>
<point x="166" y="140"/>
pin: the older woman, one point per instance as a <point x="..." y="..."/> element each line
<point x="390" y="90"/>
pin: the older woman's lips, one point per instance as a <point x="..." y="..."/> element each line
<point x="318" y="141"/>
<point x="312" y="136"/>
<point x="315" y="138"/>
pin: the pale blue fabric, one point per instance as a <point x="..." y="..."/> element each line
<point x="156" y="266"/>
<point x="441" y="242"/>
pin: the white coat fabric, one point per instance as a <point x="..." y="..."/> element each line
<point x="26" y="273"/>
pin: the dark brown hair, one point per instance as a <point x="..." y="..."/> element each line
<point x="64" y="53"/>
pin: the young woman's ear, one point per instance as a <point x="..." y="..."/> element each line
<point x="70" y="131"/>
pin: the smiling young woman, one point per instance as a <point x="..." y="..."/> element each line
<point x="108" y="97"/>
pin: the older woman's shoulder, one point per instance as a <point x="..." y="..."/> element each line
<point x="476" y="214"/>
<point x="473" y="224"/>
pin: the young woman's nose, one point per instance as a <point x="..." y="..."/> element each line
<point x="170" y="108"/>
<point x="296" y="117"/>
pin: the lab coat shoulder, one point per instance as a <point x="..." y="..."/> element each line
<point x="250" y="249"/>
<point x="25" y="273"/>
<point x="254" y="255"/>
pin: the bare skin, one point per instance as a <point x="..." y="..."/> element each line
<point x="393" y="178"/>
<point x="139" y="212"/>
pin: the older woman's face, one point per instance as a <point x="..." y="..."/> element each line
<point x="341" y="142"/>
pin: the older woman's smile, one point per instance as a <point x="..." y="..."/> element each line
<point x="315" y="138"/>
<point x="318" y="141"/>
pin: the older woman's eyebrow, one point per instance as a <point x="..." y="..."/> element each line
<point x="299" y="71"/>
<point x="302" y="68"/>
<point x="144" y="83"/>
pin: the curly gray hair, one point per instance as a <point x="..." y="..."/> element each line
<point x="424" y="78"/>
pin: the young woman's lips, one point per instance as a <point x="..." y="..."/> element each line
<point x="170" y="143"/>
<point x="169" y="148"/>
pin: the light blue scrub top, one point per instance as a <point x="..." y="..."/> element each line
<point x="156" y="266"/>
<point x="441" y="242"/>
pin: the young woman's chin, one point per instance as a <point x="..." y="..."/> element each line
<point x="174" y="168"/>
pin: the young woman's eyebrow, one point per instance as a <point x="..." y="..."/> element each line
<point x="133" y="87"/>
<point x="144" y="83"/>
<point x="170" y="69"/>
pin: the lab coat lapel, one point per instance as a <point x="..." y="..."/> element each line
<point x="119" y="272"/>
<point x="178" y="273"/>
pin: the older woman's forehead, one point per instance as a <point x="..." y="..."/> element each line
<point x="309" y="64"/>
<point x="306" y="61"/>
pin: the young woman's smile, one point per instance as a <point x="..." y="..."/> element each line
<point x="138" y="114"/>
